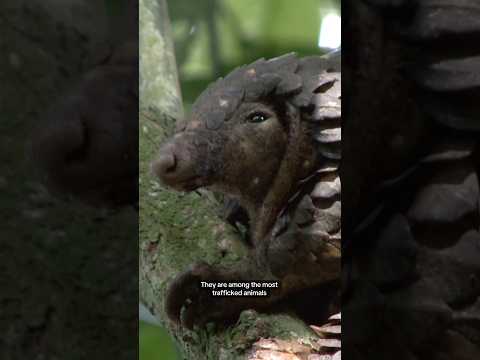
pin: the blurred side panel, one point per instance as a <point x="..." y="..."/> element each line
<point x="411" y="166"/>
<point x="68" y="179"/>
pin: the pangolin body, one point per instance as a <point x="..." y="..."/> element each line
<point x="268" y="136"/>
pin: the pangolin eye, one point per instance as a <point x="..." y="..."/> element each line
<point x="257" y="117"/>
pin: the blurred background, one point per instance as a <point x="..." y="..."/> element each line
<point x="212" y="37"/>
<point x="68" y="268"/>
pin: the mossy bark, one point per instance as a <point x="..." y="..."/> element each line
<point x="177" y="229"/>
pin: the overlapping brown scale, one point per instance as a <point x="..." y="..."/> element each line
<point x="328" y="188"/>
<point x="329" y="135"/>
<point x="394" y="255"/>
<point x="317" y="214"/>
<point x="326" y="117"/>
<point x="326" y="347"/>
<point x="331" y="151"/>
<point x="328" y="218"/>
<point x="468" y="318"/>
<point x="452" y="192"/>
<point x="328" y="167"/>
<point x="451" y="74"/>
<point x="422" y="267"/>
<point x="438" y="18"/>
<point x="287" y="63"/>
<point x="326" y="131"/>
<point x="457" y="268"/>
<point x="447" y="198"/>
<point x="453" y="150"/>
<point x="448" y="67"/>
<point x="330" y="337"/>
<point x="452" y="85"/>
<point x="327" y="103"/>
<point x="290" y="83"/>
<point x="458" y="111"/>
<point x="431" y="20"/>
<point x="417" y="312"/>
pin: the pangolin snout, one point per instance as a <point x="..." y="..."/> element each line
<point x="174" y="166"/>
<point x="165" y="163"/>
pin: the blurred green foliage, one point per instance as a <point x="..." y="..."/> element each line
<point x="155" y="343"/>
<point x="212" y="37"/>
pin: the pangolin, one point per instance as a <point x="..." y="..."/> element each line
<point x="411" y="263"/>
<point x="268" y="136"/>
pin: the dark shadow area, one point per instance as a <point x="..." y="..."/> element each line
<point x="69" y="179"/>
<point x="410" y="180"/>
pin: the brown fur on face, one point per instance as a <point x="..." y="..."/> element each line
<point x="251" y="136"/>
<point x="241" y="158"/>
<point x="252" y="153"/>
